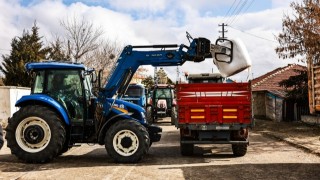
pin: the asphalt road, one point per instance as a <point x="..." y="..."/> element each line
<point x="266" y="159"/>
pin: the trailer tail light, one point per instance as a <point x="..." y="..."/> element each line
<point x="230" y="110"/>
<point x="230" y="117"/>
<point x="197" y="110"/>
<point x="197" y="117"/>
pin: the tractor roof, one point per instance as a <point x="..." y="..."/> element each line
<point x="53" y="65"/>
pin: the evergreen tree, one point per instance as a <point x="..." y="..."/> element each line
<point x="297" y="87"/>
<point x="28" y="48"/>
<point x="148" y="82"/>
<point x="57" y="52"/>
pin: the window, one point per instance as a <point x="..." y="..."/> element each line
<point x="39" y="81"/>
<point x="134" y="91"/>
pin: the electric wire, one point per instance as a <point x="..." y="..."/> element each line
<point x="253" y="34"/>
<point x="238" y="11"/>
<point x="234" y="10"/>
<point x="243" y="12"/>
<point x="226" y="15"/>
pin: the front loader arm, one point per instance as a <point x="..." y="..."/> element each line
<point x="168" y="55"/>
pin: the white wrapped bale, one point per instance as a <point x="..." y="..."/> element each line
<point x="230" y="63"/>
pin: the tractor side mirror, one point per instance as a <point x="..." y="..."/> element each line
<point x="94" y="77"/>
<point x="100" y="76"/>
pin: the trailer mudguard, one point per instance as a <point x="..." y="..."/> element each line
<point x="44" y="99"/>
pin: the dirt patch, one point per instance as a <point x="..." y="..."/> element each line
<point x="297" y="133"/>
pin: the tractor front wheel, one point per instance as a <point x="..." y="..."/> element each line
<point x="127" y="141"/>
<point x="149" y="115"/>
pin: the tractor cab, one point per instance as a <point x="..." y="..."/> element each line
<point x="206" y="78"/>
<point x="68" y="84"/>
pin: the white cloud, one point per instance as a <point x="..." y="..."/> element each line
<point x="167" y="24"/>
<point x="138" y="5"/>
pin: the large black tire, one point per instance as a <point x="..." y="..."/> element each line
<point x="35" y="134"/>
<point x="149" y="115"/>
<point x="239" y="149"/>
<point x="1" y="137"/>
<point x="127" y="141"/>
<point x="65" y="148"/>
<point x="174" y="115"/>
<point x="186" y="149"/>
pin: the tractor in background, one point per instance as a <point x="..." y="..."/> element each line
<point x="161" y="102"/>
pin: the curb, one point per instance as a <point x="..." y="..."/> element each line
<point x="304" y="148"/>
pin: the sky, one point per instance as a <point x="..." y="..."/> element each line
<point x="145" y="22"/>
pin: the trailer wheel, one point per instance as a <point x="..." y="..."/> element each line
<point x="239" y="149"/>
<point x="35" y="134"/>
<point x="174" y="115"/>
<point x="149" y="115"/>
<point x="186" y="149"/>
<point x="127" y="141"/>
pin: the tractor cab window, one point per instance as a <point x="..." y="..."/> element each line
<point x="88" y="87"/>
<point x="163" y="93"/>
<point x="65" y="87"/>
<point x="64" y="80"/>
<point x="135" y="91"/>
<point x="39" y="82"/>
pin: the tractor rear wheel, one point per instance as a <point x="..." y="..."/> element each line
<point x="127" y="141"/>
<point x="35" y="134"/>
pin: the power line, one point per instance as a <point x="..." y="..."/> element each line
<point x="253" y="35"/>
<point x="249" y="5"/>
<point x="228" y="10"/>
<point x="234" y="10"/>
<point x="238" y="12"/>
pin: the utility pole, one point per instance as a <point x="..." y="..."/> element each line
<point x="155" y="75"/>
<point x="223" y="30"/>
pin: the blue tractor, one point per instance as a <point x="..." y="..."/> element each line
<point x="63" y="110"/>
<point x="136" y="93"/>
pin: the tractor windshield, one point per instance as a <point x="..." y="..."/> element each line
<point x="164" y="93"/>
<point x="135" y="91"/>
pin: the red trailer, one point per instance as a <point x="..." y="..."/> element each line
<point x="214" y="113"/>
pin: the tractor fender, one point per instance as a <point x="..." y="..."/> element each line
<point x="108" y="123"/>
<point x="45" y="100"/>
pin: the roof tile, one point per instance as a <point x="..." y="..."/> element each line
<point x="270" y="81"/>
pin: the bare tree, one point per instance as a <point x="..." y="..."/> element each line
<point x="301" y="32"/>
<point x="301" y="37"/>
<point x="103" y="57"/>
<point x="82" y="37"/>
